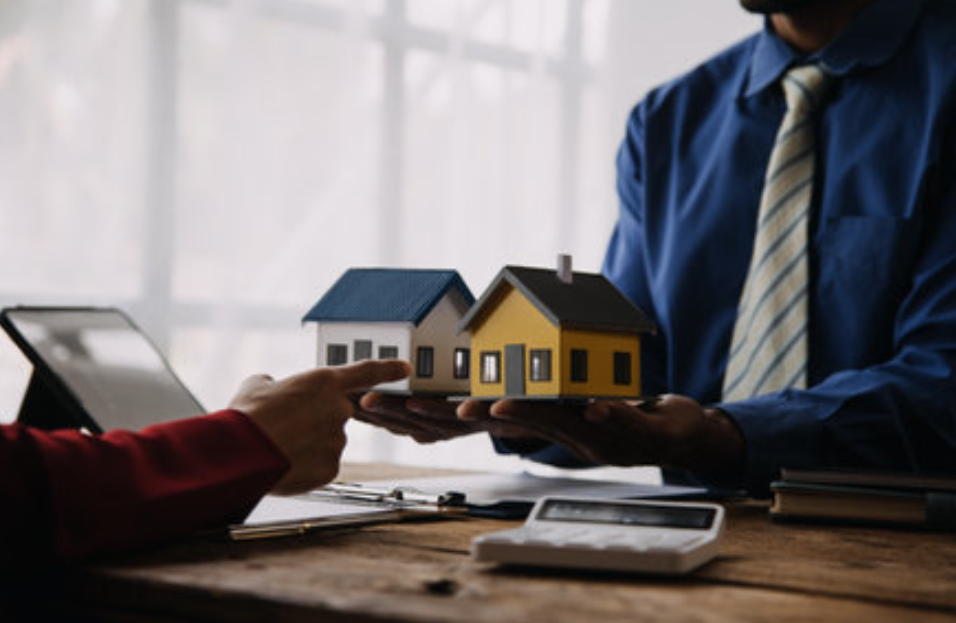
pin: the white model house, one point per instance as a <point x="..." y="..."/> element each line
<point x="409" y="314"/>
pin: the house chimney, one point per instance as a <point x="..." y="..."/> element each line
<point x="564" y="269"/>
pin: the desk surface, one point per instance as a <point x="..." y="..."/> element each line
<point x="422" y="572"/>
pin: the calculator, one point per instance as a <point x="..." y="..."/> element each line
<point x="639" y="536"/>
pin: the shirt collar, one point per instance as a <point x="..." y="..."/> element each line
<point x="871" y="39"/>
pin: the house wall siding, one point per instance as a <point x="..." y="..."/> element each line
<point x="601" y="348"/>
<point x="515" y="321"/>
<point x="438" y="330"/>
<point x="396" y="334"/>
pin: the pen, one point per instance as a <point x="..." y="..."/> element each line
<point x="400" y="496"/>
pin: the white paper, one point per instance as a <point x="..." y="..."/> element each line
<point x="276" y="509"/>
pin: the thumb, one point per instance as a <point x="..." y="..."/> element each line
<point x="370" y="372"/>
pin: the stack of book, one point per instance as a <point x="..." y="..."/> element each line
<point x="862" y="497"/>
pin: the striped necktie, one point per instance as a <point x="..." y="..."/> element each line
<point x="769" y="347"/>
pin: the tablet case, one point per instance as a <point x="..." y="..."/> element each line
<point x="48" y="403"/>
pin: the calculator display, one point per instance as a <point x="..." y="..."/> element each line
<point x="627" y="514"/>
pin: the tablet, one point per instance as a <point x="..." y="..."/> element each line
<point x="94" y="368"/>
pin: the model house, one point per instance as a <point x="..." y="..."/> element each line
<point x="539" y="333"/>
<point x="409" y="314"/>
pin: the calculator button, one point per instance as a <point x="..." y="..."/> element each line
<point x="578" y="537"/>
<point x="545" y="537"/>
<point x="646" y="541"/>
<point x="629" y="545"/>
<point x="606" y="542"/>
<point x="672" y="543"/>
<point x="687" y="543"/>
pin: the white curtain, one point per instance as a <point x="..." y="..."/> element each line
<point x="212" y="166"/>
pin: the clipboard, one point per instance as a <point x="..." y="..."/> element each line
<point x="512" y="495"/>
<point x="340" y="505"/>
<point x="491" y="495"/>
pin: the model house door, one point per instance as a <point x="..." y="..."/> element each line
<point x="514" y="370"/>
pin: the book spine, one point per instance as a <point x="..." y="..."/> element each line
<point x="941" y="510"/>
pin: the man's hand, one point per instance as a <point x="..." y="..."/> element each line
<point x="427" y="420"/>
<point x="674" y="431"/>
<point x="305" y="415"/>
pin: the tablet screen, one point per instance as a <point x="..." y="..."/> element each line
<point x="105" y="363"/>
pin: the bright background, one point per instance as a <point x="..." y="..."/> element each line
<point x="212" y="166"/>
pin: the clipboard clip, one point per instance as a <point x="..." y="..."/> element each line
<point x="401" y="497"/>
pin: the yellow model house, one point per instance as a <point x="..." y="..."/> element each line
<point x="539" y="333"/>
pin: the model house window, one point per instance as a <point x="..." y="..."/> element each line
<point x="579" y="366"/>
<point x="336" y="354"/>
<point x="388" y="352"/>
<point x="362" y="349"/>
<point x="461" y="363"/>
<point x="491" y="367"/>
<point x="425" y="362"/>
<point x="540" y="364"/>
<point x="622" y="368"/>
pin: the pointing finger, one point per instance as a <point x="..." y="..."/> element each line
<point x="370" y="372"/>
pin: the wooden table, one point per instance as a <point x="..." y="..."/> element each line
<point x="422" y="572"/>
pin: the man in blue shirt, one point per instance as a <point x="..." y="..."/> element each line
<point x="881" y="369"/>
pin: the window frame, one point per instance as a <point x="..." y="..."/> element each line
<point x="361" y="350"/>
<point x="579" y="365"/>
<point x="425" y="362"/>
<point x="392" y="30"/>
<point x="386" y="351"/>
<point x="490" y="375"/>
<point x="336" y="354"/>
<point x="623" y="367"/>
<point x="541" y="373"/>
<point x="461" y="363"/>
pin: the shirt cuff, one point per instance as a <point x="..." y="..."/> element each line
<point x="778" y="433"/>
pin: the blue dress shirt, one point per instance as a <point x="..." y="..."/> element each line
<point x="882" y="307"/>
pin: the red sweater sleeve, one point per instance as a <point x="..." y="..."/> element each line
<point x="65" y="495"/>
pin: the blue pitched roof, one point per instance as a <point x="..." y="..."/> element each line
<point x="386" y="295"/>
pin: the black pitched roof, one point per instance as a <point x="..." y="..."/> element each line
<point x="589" y="302"/>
